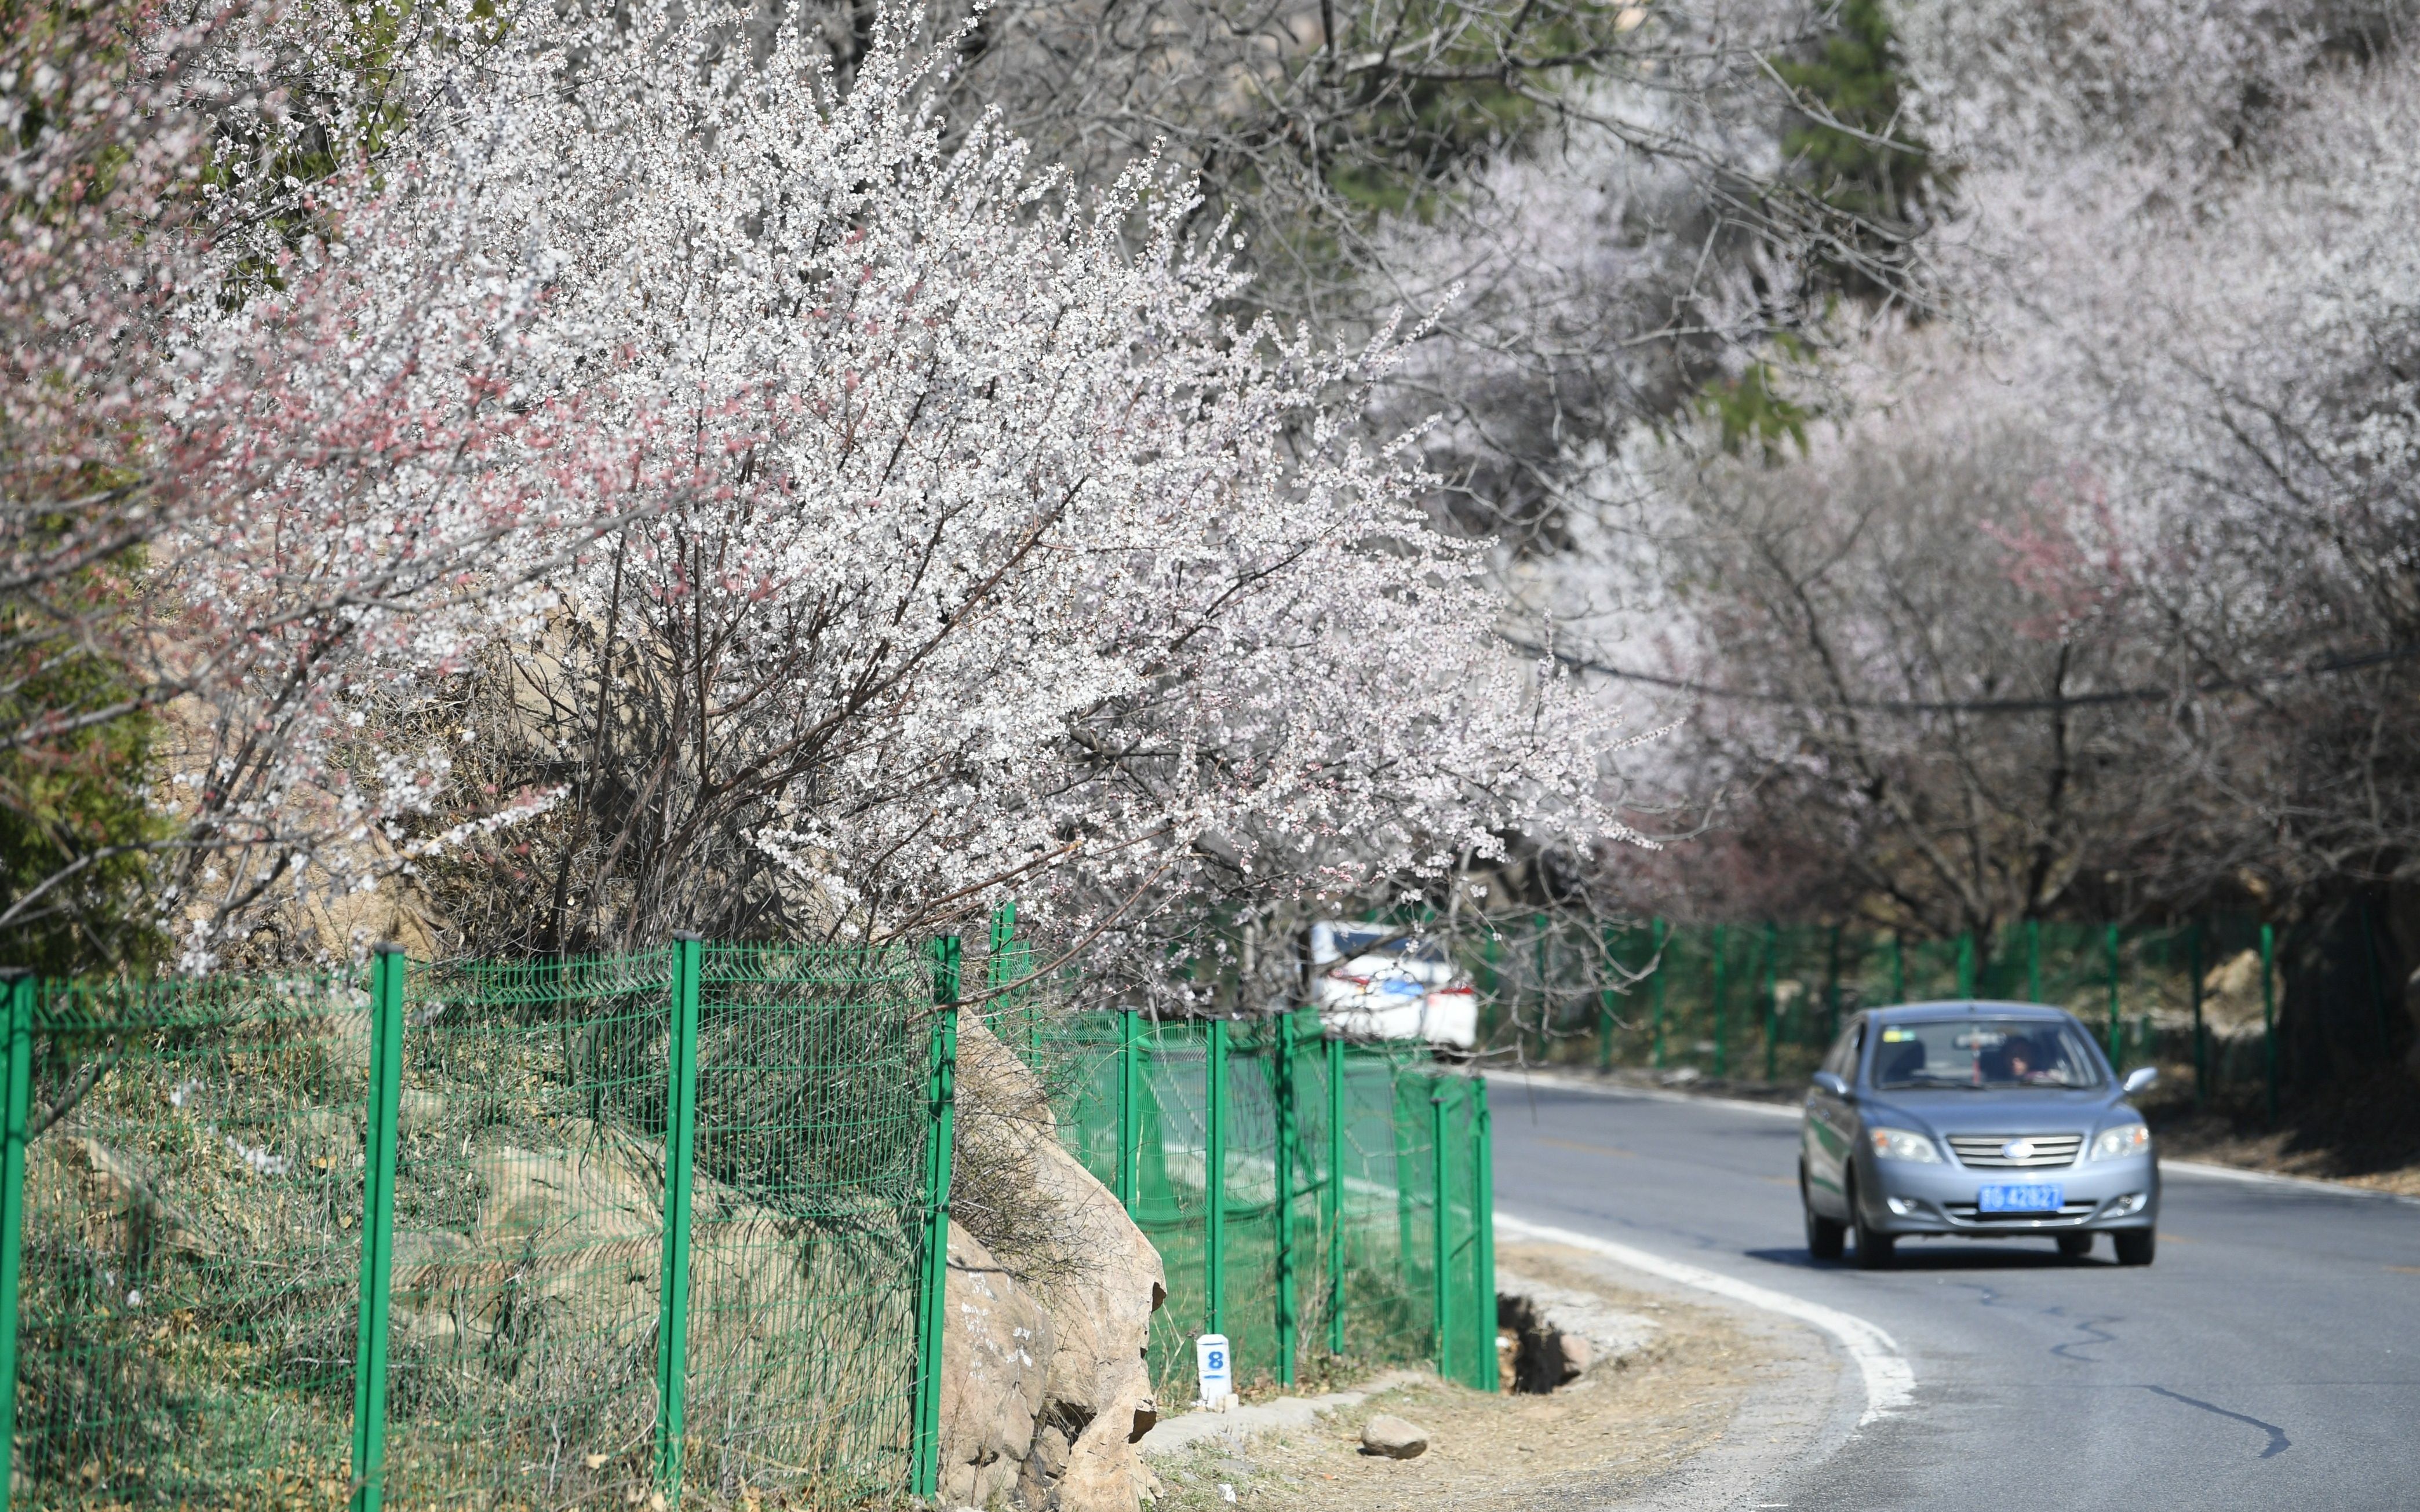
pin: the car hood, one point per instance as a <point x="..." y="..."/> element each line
<point x="2008" y="1111"/>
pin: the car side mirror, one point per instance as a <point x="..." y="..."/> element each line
<point x="1827" y="1082"/>
<point x="2139" y="1078"/>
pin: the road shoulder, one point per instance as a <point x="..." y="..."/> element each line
<point x="1721" y="1400"/>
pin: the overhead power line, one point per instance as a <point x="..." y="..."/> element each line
<point x="2327" y="667"/>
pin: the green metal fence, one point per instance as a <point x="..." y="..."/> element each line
<point x="402" y="1237"/>
<point x="594" y="1232"/>
<point x="1761" y="1001"/>
<point x="1305" y="1195"/>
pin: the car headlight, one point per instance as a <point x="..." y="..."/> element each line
<point x="2126" y="1139"/>
<point x="1903" y="1144"/>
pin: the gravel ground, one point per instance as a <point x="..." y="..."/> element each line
<point x="1622" y="1429"/>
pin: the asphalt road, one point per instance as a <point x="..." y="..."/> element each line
<point x="2271" y="1359"/>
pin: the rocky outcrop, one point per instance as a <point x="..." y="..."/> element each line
<point x="119" y="1214"/>
<point x="996" y="1354"/>
<point x="1094" y="1275"/>
<point x="1560" y="1335"/>
<point x="547" y="1309"/>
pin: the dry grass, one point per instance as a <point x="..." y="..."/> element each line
<point x="1618" y="1428"/>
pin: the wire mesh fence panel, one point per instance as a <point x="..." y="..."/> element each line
<point x="527" y="1231"/>
<point x="1468" y="1354"/>
<point x="199" y="1228"/>
<point x="807" y="1206"/>
<point x="1247" y="1314"/>
<point x="191" y="1239"/>
<point x="1172" y="1191"/>
<point x="1703" y="1014"/>
<point x="1084" y="1091"/>
<point x="1764" y="1001"/>
<point x="1387" y="1293"/>
<point x="1624" y="1003"/>
<point x="2234" y="1006"/>
<point x="1328" y="1200"/>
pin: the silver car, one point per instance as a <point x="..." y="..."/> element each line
<point x="1982" y="1120"/>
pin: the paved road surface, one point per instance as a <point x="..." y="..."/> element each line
<point x="2271" y="1359"/>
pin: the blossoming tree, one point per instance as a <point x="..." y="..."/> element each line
<point x="243" y="478"/>
<point x="1021" y="571"/>
<point x="686" y="493"/>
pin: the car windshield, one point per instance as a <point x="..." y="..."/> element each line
<point x="1351" y="942"/>
<point x="1980" y="1052"/>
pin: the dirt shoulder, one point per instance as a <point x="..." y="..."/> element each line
<point x="1712" y="1403"/>
<point x="2365" y="1132"/>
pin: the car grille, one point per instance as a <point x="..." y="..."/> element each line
<point x="1989" y="1151"/>
<point x="1965" y="1212"/>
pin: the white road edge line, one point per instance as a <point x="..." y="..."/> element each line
<point x="1890" y="1380"/>
<point x="2209" y="1172"/>
<point x="1651" y="1094"/>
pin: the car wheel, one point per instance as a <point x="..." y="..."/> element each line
<point x="1825" y="1237"/>
<point x="2076" y="1246"/>
<point x="1873" y="1249"/>
<point x="2135" y="1247"/>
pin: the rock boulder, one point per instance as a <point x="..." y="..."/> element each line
<point x="1393" y="1438"/>
<point x="1095" y="1274"/>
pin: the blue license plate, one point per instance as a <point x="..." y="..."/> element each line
<point x="2031" y="1197"/>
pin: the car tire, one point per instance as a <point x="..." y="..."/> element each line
<point x="2135" y="1247"/>
<point x="2074" y="1246"/>
<point x="1873" y="1249"/>
<point x="1825" y="1237"/>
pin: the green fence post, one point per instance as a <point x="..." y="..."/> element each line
<point x="1440" y="1233"/>
<point x="1967" y="963"/>
<point x="1281" y="1086"/>
<point x="2201" y="1037"/>
<point x="1129" y="1055"/>
<point x="1401" y="1126"/>
<point x="1772" y="995"/>
<point x="1722" y="1018"/>
<point x="1483" y="1214"/>
<point x="932" y="1279"/>
<point x="681" y="1148"/>
<point x="1898" y="968"/>
<point x="1213" y="1180"/>
<point x="2115" y="1030"/>
<point x="2269" y="1014"/>
<point x="378" y="1227"/>
<point x="2033" y="960"/>
<point x="1655" y="994"/>
<point x="1604" y="1007"/>
<point x="18" y="1093"/>
<point x="1332" y="1193"/>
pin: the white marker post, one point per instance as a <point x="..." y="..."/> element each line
<point x="1217" y="1372"/>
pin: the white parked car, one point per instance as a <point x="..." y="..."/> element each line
<point x="1377" y="981"/>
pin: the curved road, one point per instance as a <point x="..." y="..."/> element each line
<point x="2269" y="1359"/>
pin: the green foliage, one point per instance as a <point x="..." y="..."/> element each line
<point x="1851" y="139"/>
<point x="356" y="123"/>
<point x="1751" y="410"/>
<point x="1395" y="133"/>
<point x="76" y="825"/>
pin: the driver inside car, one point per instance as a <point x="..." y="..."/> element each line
<point x="2021" y="1060"/>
